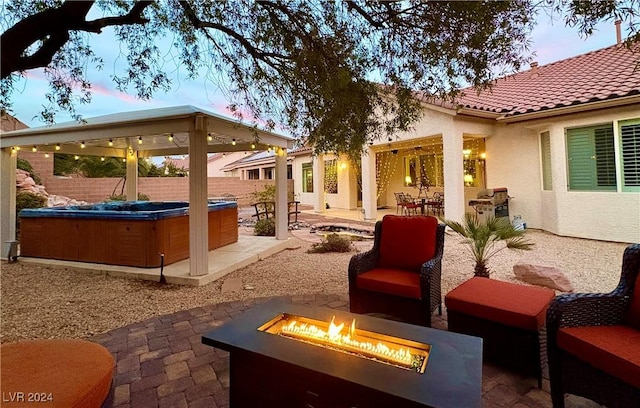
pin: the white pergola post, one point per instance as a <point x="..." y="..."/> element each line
<point x="282" y="209"/>
<point x="319" y="206"/>
<point x="198" y="205"/>
<point x="369" y="187"/>
<point x="131" y="190"/>
<point x="8" y="163"/>
<point x="454" y="204"/>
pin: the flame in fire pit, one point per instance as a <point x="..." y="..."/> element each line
<point x="387" y="349"/>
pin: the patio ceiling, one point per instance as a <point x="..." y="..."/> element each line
<point x="153" y="132"/>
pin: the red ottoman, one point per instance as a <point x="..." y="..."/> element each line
<point x="508" y="317"/>
<point x="55" y="373"/>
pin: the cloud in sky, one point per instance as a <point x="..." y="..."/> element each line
<point x="551" y="41"/>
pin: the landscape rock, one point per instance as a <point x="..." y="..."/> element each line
<point x="542" y="275"/>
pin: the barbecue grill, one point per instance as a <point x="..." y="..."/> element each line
<point x="491" y="202"/>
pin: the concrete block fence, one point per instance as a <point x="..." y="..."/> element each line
<point x="94" y="190"/>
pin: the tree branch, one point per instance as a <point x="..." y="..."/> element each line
<point x="52" y="27"/>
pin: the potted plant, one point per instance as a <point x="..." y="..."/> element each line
<point x="483" y="238"/>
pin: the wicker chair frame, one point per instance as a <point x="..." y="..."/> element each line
<point x="569" y="374"/>
<point x="414" y="311"/>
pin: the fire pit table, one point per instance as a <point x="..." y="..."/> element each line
<point x="301" y="356"/>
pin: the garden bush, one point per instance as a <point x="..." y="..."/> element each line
<point x="265" y="228"/>
<point x="23" y="164"/>
<point x="332" y="243"/>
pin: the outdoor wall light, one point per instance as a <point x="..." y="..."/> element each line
<point x="58" y="146"/>
<point x="82" y="145"/>
<point x="110" y="142"/>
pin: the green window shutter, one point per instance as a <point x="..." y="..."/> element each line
<point x="630" y="153"/>
<point x="591" y="159"/>
<point x="545" y="148"/>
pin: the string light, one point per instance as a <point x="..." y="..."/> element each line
<point x="224" y="155"/>
<point x="34" y="149"/>
<point x="209" y="137"/>
<point x="58" y="146"/>
<point x="46" y="155"/>
<point x="82" y="145"/>
<point x="76" y="157"/>
<point x="124" y="160"/>
<point x="233" y="142"/>
<point x="253" y="145"/>
<point x="13" y="149"/>
<point x="17" y="148"/>
<point x="110" y="142"/>
<point x="170" y="137"/>
<point x="139" y="139"/>
<point x="102" y="158"/>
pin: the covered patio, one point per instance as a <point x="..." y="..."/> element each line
<point x="132" y="136"/>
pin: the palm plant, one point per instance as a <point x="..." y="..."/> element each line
<point x="482" y="239"/>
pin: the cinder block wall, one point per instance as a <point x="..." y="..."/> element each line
<point x="94" y="190"/>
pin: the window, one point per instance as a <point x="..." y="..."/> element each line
<point x="253" y="174"/>
<point x="545" y="149"/>
<point x="269" y="173"/>
<point x="630" y="154"/>
<point x="307" y="178"/>
<point x="289" y="172"/>
<point x="331" y="176"/>
<point x="591" y="158"/>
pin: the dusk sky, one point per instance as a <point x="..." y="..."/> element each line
<point x="551" y="41"/>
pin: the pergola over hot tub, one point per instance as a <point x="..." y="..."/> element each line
<point x="164" y="131"/>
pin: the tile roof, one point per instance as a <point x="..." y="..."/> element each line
<point x="600" y="75"/>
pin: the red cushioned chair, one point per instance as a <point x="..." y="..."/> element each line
<point x="400" y="275"/>
<point x="593" y="341"/>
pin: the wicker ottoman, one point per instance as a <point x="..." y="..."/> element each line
<point x="509" y="318"/>
<point x="56" y="373"/>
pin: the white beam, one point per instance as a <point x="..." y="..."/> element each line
<point x="131" y="190"/>
<point x="8" y="163"/>
<point x="454" y="204"/>
<point x="369" y="187"/>
<point x="282" y="209"/>
<point x="319" y="204"/>
<point x="198" y="209"/>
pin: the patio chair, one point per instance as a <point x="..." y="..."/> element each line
<point x="593" y="341"/>
<point x="401" y="275"/>
<point x="410" y="205"/>
<point x="399" y="202"/>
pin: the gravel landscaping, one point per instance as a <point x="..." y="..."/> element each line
<point x="47" y="302"/>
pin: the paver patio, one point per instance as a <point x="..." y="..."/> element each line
<point x="161" y="362"/>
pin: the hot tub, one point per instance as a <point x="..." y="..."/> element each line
<point x="129" y="233"/>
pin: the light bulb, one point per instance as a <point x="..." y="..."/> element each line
<point x="140" y="140"/>
<point x="253" y="145"/>
<point x="46" y="155"/>
<point x="34" y="149"/>
<point x="17" y="148"/>
<point x="209" y="137"/>
<point x="76" y="157"/>
<point x="110" y="142"/>
<point x="233" y="142"/>
<point x="170" y="137"/>
<point x="58" y="146"/>
<point x="102" y="158"/>
<point x="82" y="145"/>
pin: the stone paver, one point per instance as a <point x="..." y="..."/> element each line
<point x="161" y="362"/>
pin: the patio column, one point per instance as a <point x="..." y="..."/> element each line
<point x="319" y="206"/>
<point x="282" y="218"/>
<point x="454" y="204"/>
<point x="8" y="163"/>
<point x="131" y="190"/>
<point x="369" y="187"/>
<point x="198" y="208"/>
